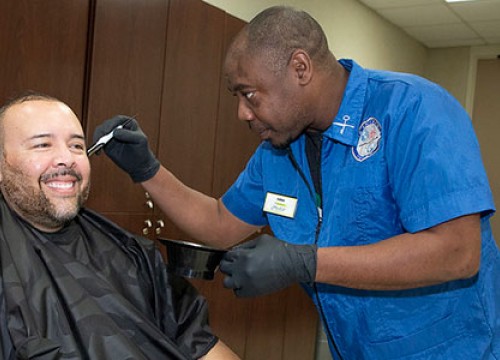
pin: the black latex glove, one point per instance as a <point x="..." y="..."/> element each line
<point x="266" y="264"/>
<point x="129" y="148"/>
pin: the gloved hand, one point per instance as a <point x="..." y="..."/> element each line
<point x="266" y="264"/>
<point x="129" y="148"/>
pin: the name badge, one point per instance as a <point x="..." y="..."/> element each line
<point x="280" y="205"/>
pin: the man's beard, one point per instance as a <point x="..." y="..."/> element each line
<point x="33" y="205"/>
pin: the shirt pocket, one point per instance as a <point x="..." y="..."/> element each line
<point x="412" y="320"/>
<point x="363" y="209"/>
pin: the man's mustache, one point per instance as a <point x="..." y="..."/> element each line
<point x="61" y="172"/>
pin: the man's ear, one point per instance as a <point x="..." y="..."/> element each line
<point x="302" y="66"/>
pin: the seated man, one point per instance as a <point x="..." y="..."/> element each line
<point x="73" y="284"/>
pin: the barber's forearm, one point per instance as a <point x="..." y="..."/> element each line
<point x="202" y="217"/>
<point x="448" y="252"/>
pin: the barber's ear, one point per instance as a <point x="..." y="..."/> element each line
<point x="302" y="66"/>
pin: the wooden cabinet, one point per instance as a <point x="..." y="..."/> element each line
<point x="126" y="69"/>
<point x="43" y="48"/>
<point x="160" y="61"/>
<point x="234" y="143"/>
<point x="190" y="94"/>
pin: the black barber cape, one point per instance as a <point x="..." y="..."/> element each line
<point x="93" y="291"/>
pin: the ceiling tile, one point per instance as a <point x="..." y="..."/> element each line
<point x="487" y="28"/>
<point x="420" y="15"/>
<point x="442" y="32"/>
<point x="454" y="43"/>
<point x="381" y="4"/>
<point x="477" y="10"/>
<point x="436" y="23"/>
<point x="494" y="40"/>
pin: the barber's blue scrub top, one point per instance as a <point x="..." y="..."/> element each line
<point x="400" y="156"/>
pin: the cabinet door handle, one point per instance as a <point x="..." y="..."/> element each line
<point x="149" y="225"/>
<point x="160" y="224"/>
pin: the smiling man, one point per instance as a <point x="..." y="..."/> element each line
<point x="72" y="284"/>
<point x="44" y="168"/>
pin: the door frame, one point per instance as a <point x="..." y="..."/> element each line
<point x="477" y="53"/>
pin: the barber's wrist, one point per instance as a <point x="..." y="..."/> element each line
<point x="145" y="173"/>
<point x="306" y="255"/>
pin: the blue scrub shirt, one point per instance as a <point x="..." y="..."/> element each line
<point x="400" y="156"/>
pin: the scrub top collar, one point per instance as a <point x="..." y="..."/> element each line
<point x="345" y="126"/>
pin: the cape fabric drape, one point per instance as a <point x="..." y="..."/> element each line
<point x="111" y="299"/>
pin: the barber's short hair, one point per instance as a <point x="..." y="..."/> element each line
<point x="278" y="31"/>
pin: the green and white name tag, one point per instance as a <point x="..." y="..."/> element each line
<point x="280" y="205"/>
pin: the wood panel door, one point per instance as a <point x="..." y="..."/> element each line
<point x="43" y="48"/>
<point x="126" y="72"/>
<point x="230" y="317"/>
<point x="235" y="143"/>
<point x="190" y="95"/>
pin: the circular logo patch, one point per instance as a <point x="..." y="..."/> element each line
<point x="370" y="134"/>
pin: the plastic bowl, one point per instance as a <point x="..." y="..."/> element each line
<point x="192" y="260"/>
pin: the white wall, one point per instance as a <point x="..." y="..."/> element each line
<point x="353" y="31"/>
<point x="356" y="32"/>
<point x="476" y="53"/>
<point x="449" y="67"/>
<point x="455" y="69"/>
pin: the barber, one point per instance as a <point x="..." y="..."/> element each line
<point x="373" y="185"/>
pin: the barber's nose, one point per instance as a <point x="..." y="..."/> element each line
<point x="244" y="112"/>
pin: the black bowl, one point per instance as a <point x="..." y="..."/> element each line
<point x="192" y="260"/>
